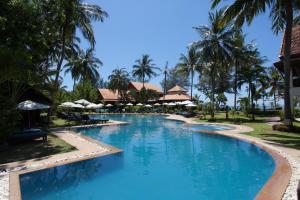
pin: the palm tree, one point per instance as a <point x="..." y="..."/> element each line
<point x="144" y="68"/>
<point x="84" y="66"/>
<point x="216" y="46"/>
<point x="190" y="63"/>
<point x="282" y="15"/>
<point x="275" y="80"/>
<point x="77" y="15"/>
<point x="253" y="74"/>
<point x="118" y="81"/>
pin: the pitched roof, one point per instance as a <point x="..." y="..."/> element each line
<point x="177" y="88"/>
<point x="138" y="86"/>
<point x="108" y="95"/>
<point x="295" y="45"/>
<point x="175" y="97"/>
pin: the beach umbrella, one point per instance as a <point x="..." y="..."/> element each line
<point x="120" y="104"/>
<point x="129" y="104"/>
<point x="191" y="105"/>
<point x="186" y="102"/>
<point x="108" y="105"/>
<point x="92" y="106"/>
<point x="171" y="104"/>
<point x="165" y="104"/>
<point x="148" y="106"/>
<point x="139" y="104"/>
<point x="70" y="105"/>
<point x="100" y="105"/>
<point x="157" y="104"/>
<point x="31" y="105"/>
<point x="82" y="102"/>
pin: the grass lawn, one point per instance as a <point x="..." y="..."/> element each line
<point x="58" y="122"/>
<point x="261" y="129"/>
<point x="35" y="149"/>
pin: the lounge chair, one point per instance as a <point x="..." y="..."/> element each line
<point x="28" y="134"/>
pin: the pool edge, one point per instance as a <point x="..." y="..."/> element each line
<point x="278" y="182"/>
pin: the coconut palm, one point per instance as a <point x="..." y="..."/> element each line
<point x="77" y="15"/>
<point x="190" y="63"/>
<point x="216" y="46"/>
<point x="144" y="68"/>
<point x="275" y="86"/>
<point x="282" y="15"/>
<point x="85" y="66"/>
<point x="118" y="81"/>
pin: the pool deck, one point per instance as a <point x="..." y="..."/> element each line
<point x="284" y="181"/>
<point x="86" y="148"/>
<point x="281" y="185"/>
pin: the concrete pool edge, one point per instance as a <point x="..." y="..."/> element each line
<point x="277" y="187"/>
<point x="284" y="180"/>
<point x="14" y="190"/>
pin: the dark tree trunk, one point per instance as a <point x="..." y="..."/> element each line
<point x="212" y="93"/>
<point x="275" y="103"/>
<point x="235" y="84"/>
<point x="287" y="63"/>
<point x="192" y="83"/>
<point x="252" y="101"/>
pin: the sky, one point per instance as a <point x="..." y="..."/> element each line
<point x="163" y="29"/>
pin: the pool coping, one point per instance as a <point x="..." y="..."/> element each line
<point x="276" y="188"/>
<point x="15" y="171"/>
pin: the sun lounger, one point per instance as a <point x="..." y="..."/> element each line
<point x="28" y="134"/>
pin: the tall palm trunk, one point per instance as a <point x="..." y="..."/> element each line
<point x="252" y="100"/>
<point x="212" y="93"/>
<point x="58" y="68"/>
<point x="275" y="103"/>
<point x="192" y="83"/>
<point x="235" y="84"/>
<point x="287" y="63"/>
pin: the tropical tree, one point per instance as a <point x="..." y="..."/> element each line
<point x="254" y="75"/>
<point x="77" y="15"/>
<point x="174" y="77"/>
<point x="282" y="15"/>
<point x="85" y="66"/>
<point x="118" y="81"/>
<point x="144" y="68"/>
<point x="275" y="84"/>
<point x="188" y="64"/>
<point x="216" y="46"/>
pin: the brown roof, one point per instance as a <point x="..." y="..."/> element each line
<point x="295" y="45"/>
<point x="175" y="97"/>
<point x="138" y="86"/>
<point x="177" y="88"/>
<point x="108" y="95"/>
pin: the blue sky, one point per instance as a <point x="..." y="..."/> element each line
<point x="163" y="29"/>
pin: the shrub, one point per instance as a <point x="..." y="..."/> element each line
<point x="285" y="128"/>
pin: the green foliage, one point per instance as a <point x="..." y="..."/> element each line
<point x="118" y="81"/>
<point x="176" y="77"/>
<point x="85" y="90"/>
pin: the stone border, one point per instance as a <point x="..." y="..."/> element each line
<point x="284" y="180"/>
<point x="87" y="148"/>
<point x="281" y="185"/>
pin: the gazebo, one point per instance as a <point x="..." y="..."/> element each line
<point x="176" y="93"/>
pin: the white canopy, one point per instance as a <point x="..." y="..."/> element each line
<point x="191" y="105"/>
<point x="186" y="102"/>
<point x="109" y="105"/>
<point x="121" y="104"/>
<point x="165" y="104"/>
<point x="171" y="104"/>
<point x="139" y="104"/>
<point x="148" y="106"/>
<point x="31" y="105"/>
<point x="82" y="102"/>
<point x="129" y="104"/>
<point x="71" y="105"/>
<point x="157" y="104"/>
<point x="100" y="105"/>
<point x="92" y="106"/>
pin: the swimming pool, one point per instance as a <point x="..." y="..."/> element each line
<point x="162" y="159"/>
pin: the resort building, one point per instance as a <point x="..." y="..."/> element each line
<point x="295" y="63"/>
<point x="137" y="86"/>
<point x="108" y="96"/>
<point x="176" y="93"/>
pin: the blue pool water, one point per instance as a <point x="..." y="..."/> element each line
<point x="162" y="159"/>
